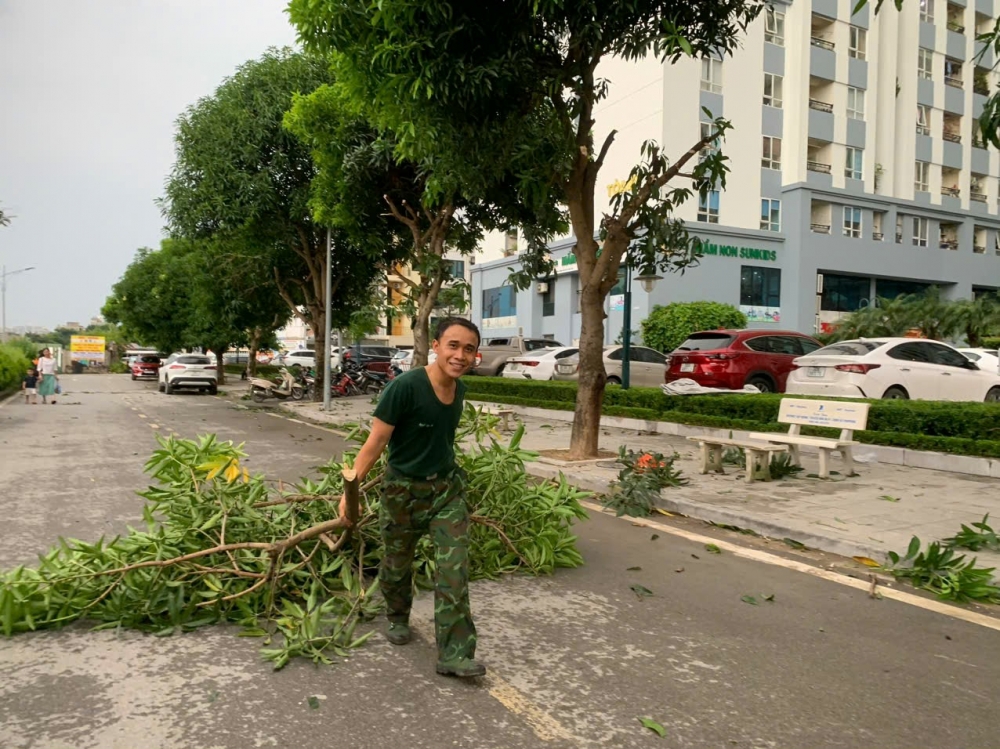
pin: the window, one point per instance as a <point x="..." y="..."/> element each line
<point x="925" y="62"/>
<point x="549" y="298"/>
<point x="713" y="146"/>
<point x="922" y="177"/>
<point x="923" y="119"/>
<point x="858" y="45"/>
<point x="854" y="163"/>
<point x="927" y="11"/>
<point x="711" y="75"/>
<point x="500" y="301"/>
<point x="760" y="287"/>
<point x="889" y="288"/>
<point x="456" y="268"/>
<point x="855" y="103"/>
<point x="949" y="357"/>
<point x="772" y="90"/>
<point x="774" y="27"/>
<point x="916" y="351"/>
<point x="844" y="293"/>
<point x="770" y="214"/>
<point x="647" y="355"/>
<point x="708" y="207"/>
<point x="771" y="156"/>
<point x="852" y="222"/>
<point x="920" y="231"/>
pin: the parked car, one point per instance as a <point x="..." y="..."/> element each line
<point x="303" y="357"/>
<point x="403" y="359"/>
<point x="497" y="351"/>
<point x="987" y="359"/>
<point x="188" y="371"/>
<point x="731" y="359"/>
<point x="369" y="354"/>
<point x="538" y="365"/>
<point x="146" y="366"/>
<point x="646" y="366"/>
<point x="894" y="368"/>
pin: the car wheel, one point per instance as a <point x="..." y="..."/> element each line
<point x="213" y="390"/>
<point x="895" y="393"/>
<point x="500" y="370"/>
<point x="614" y="380"/>
<point x="168" y="388"/>
<point x="133" y="377"/>
<point x="993" y="396"/>
<point x="762" y="383"/>
<point x="159" y="386"/>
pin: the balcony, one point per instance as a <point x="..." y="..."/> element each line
<point x="979" y="249"/>
<point x="949" y="244"/>
<point x="877" y="236"/>
<point x="822" y="43"/>
<point x="981" y="87"/>
<point x="953" y="192"/>
<point x="953" y="82"/>
<point x="956" y="27"/>
<point x="979" y="197"/>
<point x="817" y="166"/>
<point x="820" y="106"/>
<point x="819" y="228"/>
<point x="952" y="137"/>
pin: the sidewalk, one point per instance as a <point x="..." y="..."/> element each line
<point x="843" y="515"/>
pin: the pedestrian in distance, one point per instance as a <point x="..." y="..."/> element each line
<point x="47" y="371"/>
<point x="30" y="387"/>
<point x="423" y="491"/>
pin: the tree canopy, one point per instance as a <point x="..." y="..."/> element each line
<point x="447" y="74"/>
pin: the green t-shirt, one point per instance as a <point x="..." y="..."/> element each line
<point x="422" y="443"/>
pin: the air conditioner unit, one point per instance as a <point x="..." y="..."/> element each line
<point x="543" y="287"/>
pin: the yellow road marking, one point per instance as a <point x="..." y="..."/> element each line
<point x="765" y="557"/>
<point x="544" y="725"/>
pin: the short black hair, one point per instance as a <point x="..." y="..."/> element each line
<point x="449" y="322"/>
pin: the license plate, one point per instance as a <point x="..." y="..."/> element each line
<point x="687" y="367"/>
<point x="514" y="367"/>
<point x="563" y="369"/>
<point x="815" y="371"/>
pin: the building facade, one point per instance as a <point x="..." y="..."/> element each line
<point x="856" y="169"/>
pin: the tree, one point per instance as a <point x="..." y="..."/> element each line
<point x="460" y="69"/>
<point x="978" y="318"/>
<point x="460" y="182"/>
<point x="241" y="178"/>
<point x="667" y="327"/>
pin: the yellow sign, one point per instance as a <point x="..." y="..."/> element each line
<point x="89" y="344"/>
<point x="619" y="186"/>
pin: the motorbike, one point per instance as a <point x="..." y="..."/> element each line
<point x="261" y="389"/>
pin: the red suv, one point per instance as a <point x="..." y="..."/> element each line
<point x="731" y="359"/>
<point x="146" y="365"/>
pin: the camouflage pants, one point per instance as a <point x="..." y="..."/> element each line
<point x="410" y="509"/>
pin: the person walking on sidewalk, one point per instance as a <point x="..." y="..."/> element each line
<point x="30" y="387"/>
<point x="47" y="371"/>
<point x="423" y="491"/>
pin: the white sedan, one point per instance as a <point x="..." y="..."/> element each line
<point x="540" y="364"/>
<point x="894" y="368"/>
<point x="986" y="359"/>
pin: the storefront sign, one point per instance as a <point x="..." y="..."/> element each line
<point x="86" y="348"/>
<point x="495" y="323"/>
<point x="761" y="314"/>
<point x="744" y="253"/>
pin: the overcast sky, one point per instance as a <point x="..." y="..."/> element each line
<point x="89" y="92"/>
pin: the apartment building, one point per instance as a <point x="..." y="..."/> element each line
<point x="857" y="172"/>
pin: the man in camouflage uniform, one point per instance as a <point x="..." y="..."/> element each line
<point x="423" y="491"/>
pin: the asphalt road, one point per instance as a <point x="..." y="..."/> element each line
<point x="574" y="659"/>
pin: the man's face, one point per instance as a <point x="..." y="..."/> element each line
<point x="456" y="351"/>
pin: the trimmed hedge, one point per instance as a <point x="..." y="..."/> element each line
<point x="950" y="427"/>
<point x="13" y="367"/>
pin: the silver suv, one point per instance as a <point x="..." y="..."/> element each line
<point x="188" y="371"/>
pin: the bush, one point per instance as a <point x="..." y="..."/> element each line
<point x="991" y="343"/>
<point x="13" y="367"/>
<point x="118" y="367"/>
<point x="949" y="427"/>
<point x="666" y="328"/>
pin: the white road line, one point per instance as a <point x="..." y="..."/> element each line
<point x="764" y="557"/>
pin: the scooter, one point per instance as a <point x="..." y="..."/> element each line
<point x="261" y="389"/>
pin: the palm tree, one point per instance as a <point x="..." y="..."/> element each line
<point x="978" y="318"/>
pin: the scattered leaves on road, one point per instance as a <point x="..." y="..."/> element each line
<point x="795" y="544"/>
<point x="695" y="556"/>
<point x="679" y="569"/>
<point x="653" y="726"/>
<point x="654" y="537"/>
<point x="663" y="512"/>
<point x="633" y="569"/>
<point x="712" y="549"/>
<point x="866" y="561"/>
<point x="641" y="591"/>
<point x="887" y="498"/>
<point x="753" y="600"/>
<point x="313" y="703"/>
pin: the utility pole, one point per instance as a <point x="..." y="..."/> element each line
<point x="326" y="322"/>
<point x="3" y="297"/>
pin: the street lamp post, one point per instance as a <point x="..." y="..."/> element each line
<point x="648" y="281"/>
<point x="3" y="297"/>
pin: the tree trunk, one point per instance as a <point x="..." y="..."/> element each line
<point x="590" y="393"/>
<point x="421" y="330"/>
<point x="220" y="363"/>
<point x="322" y="347"/>
<point x="254" y="347"/>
